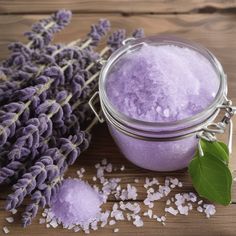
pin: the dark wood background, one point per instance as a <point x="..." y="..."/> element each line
<point x="211" y="23"/>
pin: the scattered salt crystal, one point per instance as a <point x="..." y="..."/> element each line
<point x="94" y="178"/>
<point x="163" y="218"/>
<point x="10" y="219"/>
<point x="94" y="225"/>
<point x="172" y="186"/>
<point x="171" y="210"/>
<point x="180" y="184"/>
<point x="154" y="216"/>
<point x="151" y="205"/>
<point x="42" y="221"/>
<point x="116" y="230"/>
<point x="200" y="202"/>
<point x="193" y="197"/>
<point x="53" y="223"/>
<point x="44" y="214"/>
<point x="128" y="216"/>
<point x="82" y="170"/>
<point x="149" y="213"/>
<point x="138" y="221"/>
<point x="109" y="168"/>
<point x="159" y="219"/>
<point x="174" y="181"/>
<point x="76" y="229"/>
<point x="5" y="230"/>
<point x="200" y="209"/>
<point x="48" y="225"/>
<point x="190" y="206"/>
<point x="112" y="222"/>
<point x="13" y="211"/>
<point x="136" y="180"/>
<point x="122" y="168"/>
<point x="183" y="210"/>
<point x="168" y="202"/>
<point x="209" y="210"/>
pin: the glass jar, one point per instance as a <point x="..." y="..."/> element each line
<point x="159" y="146"/>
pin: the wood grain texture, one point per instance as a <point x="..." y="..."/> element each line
<point x="117" y="6"/>
<point x="215" y="31"/>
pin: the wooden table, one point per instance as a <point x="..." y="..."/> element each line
<point x="211" y="23"/>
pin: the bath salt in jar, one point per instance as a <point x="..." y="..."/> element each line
<point x="158" y="95"/>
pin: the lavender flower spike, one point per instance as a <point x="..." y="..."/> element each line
<point x="98" y="31"/>
<point x="42" y="31"/>
<point x="138" y="33"/>
<point x="115" y="40"/>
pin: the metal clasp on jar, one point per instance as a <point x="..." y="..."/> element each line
<point x="209" y="132"/>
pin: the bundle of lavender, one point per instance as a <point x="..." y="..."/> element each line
<point x="45" y="120"/>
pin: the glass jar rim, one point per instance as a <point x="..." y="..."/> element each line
<point x="170" y="125"/>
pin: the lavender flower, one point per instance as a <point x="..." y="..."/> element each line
<point x="138" y="33"/>
<point x="42" y="32"/>
<point x="98" y="31"/>
<point x="115" y="40"/>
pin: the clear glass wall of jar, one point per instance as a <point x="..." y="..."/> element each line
<point x="157" y="146"/>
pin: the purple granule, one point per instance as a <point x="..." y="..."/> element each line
<point x="76" y="203"/>
<point x="162" y="83"/>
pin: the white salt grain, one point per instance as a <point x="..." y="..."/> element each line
<point x="13" y="211"/>
<point x="109" y="168"/>
<point x="180" y="185"/>
<point x="209" y="210"/>
<point x="183" y="210"/>
<point x="42" y="221"/>
<point x="112" y="222"/>
<point x="116" y="230"/>
<point x="200" y="209"/>
<point x="10" y="219"/>
<point x="53" y="223"/>
<point x="200" y="202"/>
<point x="138" y="221"/>
<point x="122" y="168"/>
<point x="171" y="210"/>
<point x="5" y="230"/>
<point x="76" y="229"/>
<point x="94" y="178"/>
<point x="136" y="181"/>
<point x="168" y="202"/>
<point x="163" y="218"/>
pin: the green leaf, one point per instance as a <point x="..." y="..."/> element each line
<point x="210" y="175"/>
<point x="217" y="149"/>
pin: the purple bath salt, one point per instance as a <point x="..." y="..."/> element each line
<point x="76" y="203"/>
<point x="162" y="83"/>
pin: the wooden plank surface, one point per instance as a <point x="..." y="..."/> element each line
<point x="215" y="31"/>
<point x="123" y="6"/>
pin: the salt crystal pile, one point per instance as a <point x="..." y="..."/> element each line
<point x="176" y="77"/>
<point x="76" y="203"/>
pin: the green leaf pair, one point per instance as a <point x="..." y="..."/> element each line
<point x="210" y="173"/>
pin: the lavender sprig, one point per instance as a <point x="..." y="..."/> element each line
<point x="42" y="32"/>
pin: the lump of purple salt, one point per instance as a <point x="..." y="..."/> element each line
<point x="162" y="83"/>
<point x="76" y="203"/>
